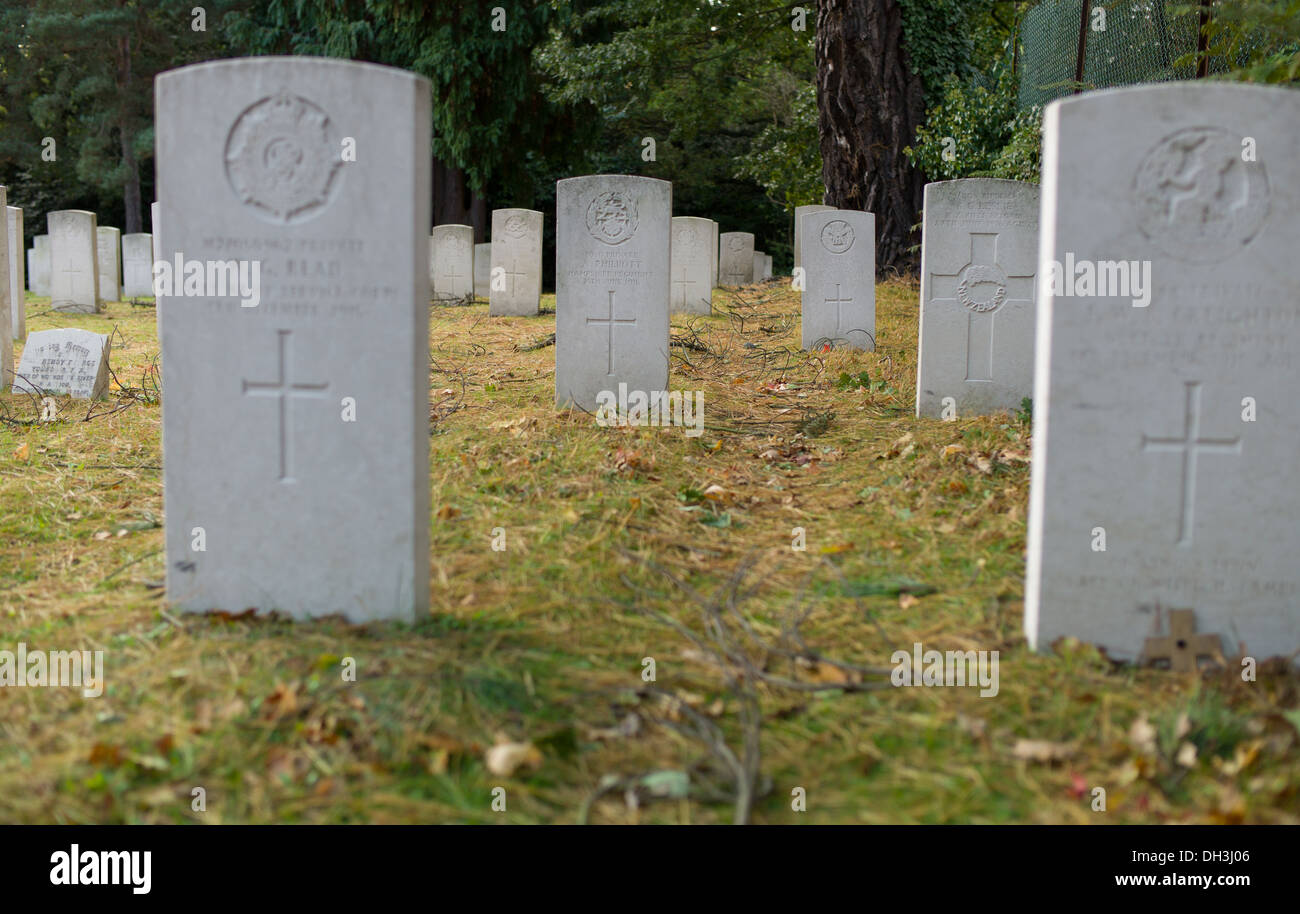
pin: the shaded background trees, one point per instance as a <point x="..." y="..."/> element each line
<point x="749" y="108"/>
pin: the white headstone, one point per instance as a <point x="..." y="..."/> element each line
<point x="74" y="279"/>
<point x="516" y="261"/>
<point x="452" y="261"/>
<point x="760" y="266"/>
<point x="295" y="432"/>
<point x="767" y="266"/>
<point x="979" y="254"/>
<point x="64" y="361"/>
<point x="1165" y="474"/>
<point x="713" y="253"/>
<point x="799" y="213"/>
<point x="109" y="257"/>
<point x="6" y="313"/>
<point x="137" y="265"/>
<point x="38" y="268"/>
<point x="692" y="281"/>
<point x="17" y="276"/>
<point x="839" y="294"/>
<point x="482" y="270"/>
<point x="612" y="248"/>
<point x="736" y="255"/>
<point x="154" y="234"/>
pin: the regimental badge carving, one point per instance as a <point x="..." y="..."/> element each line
<point x="837" y="236"/>
<point x="283" y="159"/>
<point x="686" y="235"/>
<point x="516" y="226"/>
<point x="1196" y="199"/>
<point x="735" y="243"/>
<point x="982" y="288"/>
<point x="612" y="217"/>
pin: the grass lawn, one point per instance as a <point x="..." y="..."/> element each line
<point x="620" y="546"/>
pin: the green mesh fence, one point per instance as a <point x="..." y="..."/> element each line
<point x="1142" y="41"/>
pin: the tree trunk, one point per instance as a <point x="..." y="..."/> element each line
<point x="131" y="189"/>
<point x="454" y="203"/>
<point x="869" y="104"/>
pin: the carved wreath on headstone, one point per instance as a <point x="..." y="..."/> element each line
<point x="1196" y="198"/>
<point x="837" y="236"/>
<point x="982" y="288"/>
<point x="516" y="226"/>
<point x="612" y="217"/>
<point x="282" y="159"/>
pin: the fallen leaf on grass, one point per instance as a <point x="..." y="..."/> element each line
<point x="504" y="759"/>
<point x="907" y="601"/>
<point x="22" y="453"/>
<point x="447" y="512"/>
<point x="1041" y="750"/>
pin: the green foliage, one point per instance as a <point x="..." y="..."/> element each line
<point x="974" y="131"/>
<point x="785" y="159"/>
<point x="1259" y="40"/>
<point x="847" y="381"/>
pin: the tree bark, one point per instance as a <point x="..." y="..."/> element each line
<point x="131" y="189"/>
<point x="869" y="105"/>
<point x="454" y="203"/>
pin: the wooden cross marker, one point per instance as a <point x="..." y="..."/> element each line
<point x="1183" y="647"/>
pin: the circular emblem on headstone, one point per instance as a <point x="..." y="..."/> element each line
<point x="611" y="217"/>
<point x="686" y="235"/>
<point x="516" y="226"/>
<point x="837" y="236"/>
<point x="1196" y="199"/>
<point x="282" y="159"/>
<point x="982" y="288"/>
<point x="735" y="243"/>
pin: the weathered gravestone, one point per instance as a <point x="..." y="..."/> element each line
<point x="838" y="301"/>
<point x="38" y="266"/>
<point x="6" y="312"/>
<point x="74" y="277"/>
<point x="713" y="253"/>
<point x="692" y="282"/>
<point x="64" y="361"/>
<point x="453" y="262"/>
<point x="612" y="251"/>
<point x="516" y="261"/>
<point x="736" y="253"/>
<point x="17" y="276"/>
<point x="137" y="265"/>
<point x="1165" y="477"/>
<point x="799" y="213"/>
<point x="155" y="234"/>
<point x="482" y="270"/>
<point x="295" y="432"/>
<point x="767" y="266"/>
<point x="979" y="254"/>
<point x="108" y="255"/>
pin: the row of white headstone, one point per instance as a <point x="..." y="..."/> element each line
<point x="979" y="257"/>
<point x="80" y="264"/>
<point x="1163" y="476"/>
<point x="507" y="271"/>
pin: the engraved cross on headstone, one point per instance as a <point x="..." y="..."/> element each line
<point x="839" y="302"/>
<point x="1183" y="647"/>
<point x="512" y="273"/>
<point x="611" y="321"/>
<point x="682" y="284"/>
<point x="1189" y="446"/>
<point x="284" y="391"/>
<point x="946" y="289"/>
